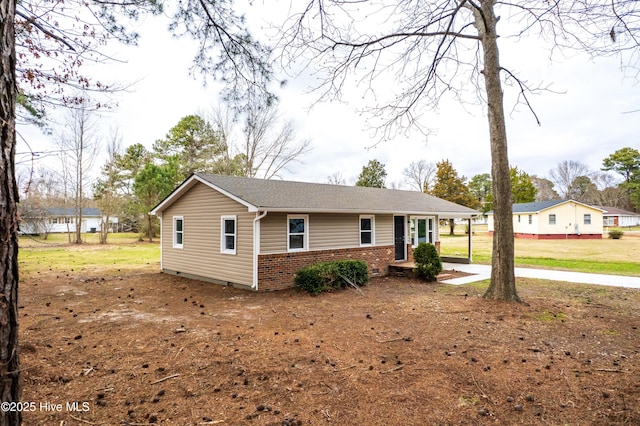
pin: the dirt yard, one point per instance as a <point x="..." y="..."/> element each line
<point x="140" y="348"/>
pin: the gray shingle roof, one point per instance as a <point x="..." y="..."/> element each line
<point x="280" y="195"/>
<point x="536" y="206"/>
<point x="614" y="211"/>
<point x="70" y="211"/>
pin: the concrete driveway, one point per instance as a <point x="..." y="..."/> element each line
<point x="483" y="272"/>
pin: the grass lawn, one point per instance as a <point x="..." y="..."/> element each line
<point x="604" y="256"/>
<point x="123" y="250"/>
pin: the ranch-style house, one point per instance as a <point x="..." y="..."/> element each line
<point x="256" y="233"/>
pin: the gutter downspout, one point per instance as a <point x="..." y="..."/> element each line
<point x="256" y="246"/>
<point x="161" y="260"/>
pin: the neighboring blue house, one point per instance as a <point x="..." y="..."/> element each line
<point x="55" y="220"/>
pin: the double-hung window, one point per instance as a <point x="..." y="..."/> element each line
<point x="530" y="219"/>
<point x="367" y="225"/>
<point x="228" y="234"/>
<point x="587" y="219"/>
<point x="178" y="232"/>
<point x="552" y="219"/>
<point x="297" y="232"/>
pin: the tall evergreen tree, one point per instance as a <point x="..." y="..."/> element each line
<point x="522" y="188"/>
<point x="372" y="175"/>
<point x="452" y="187"/>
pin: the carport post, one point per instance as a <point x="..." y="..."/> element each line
<point x="469" y="246"/>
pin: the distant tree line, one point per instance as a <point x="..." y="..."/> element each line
<point x="570" y="179"/>
<point x="134" y="179"/>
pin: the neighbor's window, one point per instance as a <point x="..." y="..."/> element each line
<point x="530" y="219"/>
<point x="587" y="219"/>
<point x="518" y="218"/>
<point x="366" y="230"/>
<point x="552" y="219"/>
<point x="178" y="231"/>
<point x="228" y="235"/>
<point x="297" y="233"/>
<point x="54" y="220"/>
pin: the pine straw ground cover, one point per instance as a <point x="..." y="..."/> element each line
<point x="140" y="347"/>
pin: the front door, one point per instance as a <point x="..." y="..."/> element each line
<point x="398" y="237"/>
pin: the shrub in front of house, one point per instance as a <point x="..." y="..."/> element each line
<point x="324" y="276"/>
<point x="428" y="262"/>
<point x="615" y="234"/>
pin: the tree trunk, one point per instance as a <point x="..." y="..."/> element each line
<point x="149" y="230"/>
<point x="503" y="282"/>
<point x="452" y="227"/>
<point x="9" y="362"/>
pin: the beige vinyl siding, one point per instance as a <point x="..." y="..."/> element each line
<point x="329" y="231"/>
<point x="326" y="231"/>
<point x="384" y="229"/>
<point x="202" y="208"/>
<point x="273" y="233"/>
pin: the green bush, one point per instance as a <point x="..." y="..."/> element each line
<point x="428" y="262"/>
<point x="615" y="234"/>
<point x="324" y="276"/>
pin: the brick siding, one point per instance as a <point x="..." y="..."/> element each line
<point x="276" y="271"/>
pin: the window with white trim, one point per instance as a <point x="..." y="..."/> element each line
<point x="228" y="234"/>
<point x="297" y="233"/>
<point x="530" y="220"/>
<point x="587" y="219"/>
<point x="421" y="230"/>
<point x="367" y="229"/>
<point x="552" y="219"/>
<point x="178" y="232"/>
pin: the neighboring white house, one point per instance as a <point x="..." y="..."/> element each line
<point x="56" y="220"/>
<point x="619" y="218"/>
<point x="554" y="219"/>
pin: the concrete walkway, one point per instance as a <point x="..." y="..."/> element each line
<point x="483" y="272"/>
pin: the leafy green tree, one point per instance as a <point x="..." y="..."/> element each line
<point x="522" y="188"/>
<point x="480" y="187"/>
<point x="634" y="191"/>
<point x="372" y="175"/>
<point x="151" y="185"/>
<point x="193" y="145"/>
<point x="625" y="161"/>
<point x="451" y="187"/>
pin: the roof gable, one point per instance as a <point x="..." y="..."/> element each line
<point x="280" y="195"/>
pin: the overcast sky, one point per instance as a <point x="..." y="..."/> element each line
<point x="587" y="118"/>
